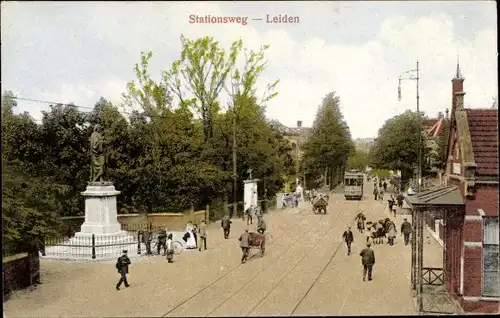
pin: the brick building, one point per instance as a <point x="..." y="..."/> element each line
<point x="472" y="165"/>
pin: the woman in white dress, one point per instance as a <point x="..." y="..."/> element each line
<point x="191" y="242"/>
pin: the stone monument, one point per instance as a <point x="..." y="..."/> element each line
<point x="100" y="214"/>
<point x="100" y="196"/>
<point x="250" y="193"/>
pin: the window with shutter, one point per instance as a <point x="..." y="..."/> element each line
<point x="491" y="274"/>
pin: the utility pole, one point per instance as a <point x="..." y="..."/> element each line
<point x="416" y="78"/>
<point x="416" y="245"/>
<point x="235" y="175"/>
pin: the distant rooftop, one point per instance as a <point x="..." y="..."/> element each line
<point x="290" y="130"/>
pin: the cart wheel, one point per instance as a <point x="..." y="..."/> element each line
<point x="177" y="247"/>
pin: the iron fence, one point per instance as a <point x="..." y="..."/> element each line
<point x="106" y="246"/>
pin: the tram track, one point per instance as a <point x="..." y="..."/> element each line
<point x="286" y="233"/>
<point x="339" y="245"/>
<point x="297" y="264"/>
<point x="251" y="280"/>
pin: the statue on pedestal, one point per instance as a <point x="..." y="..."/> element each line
<point x="97" y="157"/>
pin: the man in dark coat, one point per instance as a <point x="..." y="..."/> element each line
<point x="245" y="245"/>
<point x="162" y="242"/>
<point x="348" y="238"/>
<point x="375" y="194"/>
<point x="122" y="266"/>
<point x="225" y="223"/>
<point x="406" y="230"/>
<point x="261" y="225"/>
<point x="146" y="239"/>
<point x="368" y="260"/>
<point x="400" y="199"/>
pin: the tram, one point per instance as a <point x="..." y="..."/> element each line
<point x="353" y="185"/>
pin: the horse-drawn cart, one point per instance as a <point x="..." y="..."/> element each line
<point x="319" y="204"/>
<point x="258" y="241"/>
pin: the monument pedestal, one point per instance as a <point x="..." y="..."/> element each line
<point x="100" y="210"/>
<point x="250" y="196"/>
<point x="101" y="223"/>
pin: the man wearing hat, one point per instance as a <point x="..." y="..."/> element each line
<point x="406" y="230"/>
<point x="122" y="266"/>
<point x="261" y="225"/>
<point x="368" y="260"/>
<point x="348" y="239"/>
<point x="245" y="245"/>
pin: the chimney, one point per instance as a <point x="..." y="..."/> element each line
<point x="459" y="100"/>
<point x="299" y="123"/>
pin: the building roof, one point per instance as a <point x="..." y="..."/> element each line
<point x="437" y="129"/>
<point x="483" y="127"/>
<point x="301" y="131"/>
<point x="428" y="123"/>
<point x="439" y="196"/>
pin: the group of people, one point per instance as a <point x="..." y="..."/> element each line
<point x="195" y="235"/>
<point x="375" y="232"/>
<point x="367" y="254"/>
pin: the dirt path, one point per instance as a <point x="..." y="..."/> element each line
<point x="305" y="271"/>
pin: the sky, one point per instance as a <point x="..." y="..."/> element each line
<point x="79" y="51"/>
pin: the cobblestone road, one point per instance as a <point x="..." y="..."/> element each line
<point x="305" y="271"/>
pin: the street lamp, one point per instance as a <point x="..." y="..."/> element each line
<point x="416" y="274"/>
<point x="414" y="75"/>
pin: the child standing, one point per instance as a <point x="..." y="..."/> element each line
<point x="170" y="250"/>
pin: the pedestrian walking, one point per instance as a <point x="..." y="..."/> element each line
<point x="202" y="231"/>
<point x="122" y="264"/>
<point x="400" y="199"/>
<point x="245" y="245"/>
<point x="406" y="230"/>
<point x="249" y="213"/>
<point x="375" y="193"/>
<point x="348" y="238"/>
<point x="369" y="230"/>
<point x="367" y="260"/>
<point x="391" y="233"/>
<point x="381" y="195"/>
<point x="391" y="202"/>
<point x="360" y="221"/>
<point x="261" y="225"/>
<point x="170" y="249"/>
<point x="384" y="185"/>
<point x="225" y="223"/>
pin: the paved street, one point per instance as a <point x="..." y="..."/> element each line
<point x="305" y="271"/>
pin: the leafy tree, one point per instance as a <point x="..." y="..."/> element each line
<point x="358" y="160"/>
<point x="30" y="205"/>
<point x="202" y="71"/>
<point x="396" y="146"/>
<point x="329" y="146"/>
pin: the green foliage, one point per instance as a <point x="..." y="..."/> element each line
<point x="29" y="207"/>
<point x="358" y="160"/>
<point x="382" y="173"/>
<point x="396" y="147"/>
<point x="330" y="144"/>
<point x="162" y="157"/>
